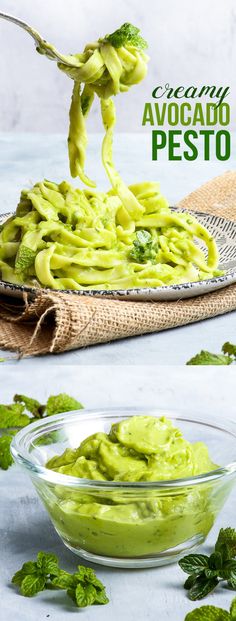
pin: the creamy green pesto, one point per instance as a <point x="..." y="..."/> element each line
<point x="127" y="522"/>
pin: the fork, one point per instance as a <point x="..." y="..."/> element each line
<point x="41" y="45"/>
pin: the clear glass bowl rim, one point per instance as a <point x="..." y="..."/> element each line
<point x="22" y="456"/>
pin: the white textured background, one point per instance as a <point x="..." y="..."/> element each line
<point x="189" y="43"/>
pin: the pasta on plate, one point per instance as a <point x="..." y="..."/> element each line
<point x="67" y="238"/>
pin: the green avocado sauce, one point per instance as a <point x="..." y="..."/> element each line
<point x="124" y="522"/>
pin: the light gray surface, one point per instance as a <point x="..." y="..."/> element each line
<point x="27" y="158"/>
<point x="25" y="528"/>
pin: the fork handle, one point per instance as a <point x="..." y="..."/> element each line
<point x="17" y="21"/>
<point x="54" y="55"/>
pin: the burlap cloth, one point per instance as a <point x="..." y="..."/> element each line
<point x="56" y="322"/>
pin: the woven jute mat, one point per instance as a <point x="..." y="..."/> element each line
<point x="55" y="322"/>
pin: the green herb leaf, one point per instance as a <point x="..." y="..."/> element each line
<point x="229" y="348"/>
<point x="126" y="35"/>
<point x="32" y="584"/>
<point x="233" y="610"/>
<point x="226" y="543"/>
<point x="64" y="580"/>
<point x="12" y="416"/>
<point x="101" y="597"/>
<point x="83" y="587"/>
<point x="29" y="568"/>
<point x="232" y="582"/>
<point x="85" y="595"/>
<point x="207" y="358"/>
<point x="215" y="560"/>
<point x="32" y="405"/>
<point x="24" y="259"/>
<point x="206" y="571"/>
<point x="47" y="563"/>
<point x="211" y="573"/>
<point x="194" y="563"/>
<point x="144" y="248"/>
<point x="190" y="582"/>
<point x="6" y="459"/>
<point x="86" y="574"/>
<point x="228" y="570"/>
<point x="57" y="404"/>
<point x="202" y="587"/>
<point x="208" y="613"/>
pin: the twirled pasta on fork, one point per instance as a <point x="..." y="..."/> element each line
<point x="67" y="238"/>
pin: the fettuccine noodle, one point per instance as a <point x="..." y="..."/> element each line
<point x="67" y="238"/>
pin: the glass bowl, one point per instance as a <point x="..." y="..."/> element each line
<point x="125" y="524"/>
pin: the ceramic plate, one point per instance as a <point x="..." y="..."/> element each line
<point x="224" y="232"/>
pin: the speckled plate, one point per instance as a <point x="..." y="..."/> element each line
<point x="224" y="232"/>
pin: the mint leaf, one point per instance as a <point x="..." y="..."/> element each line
<point x="6" y="459"/>
<point x="144" y="248"/>
<point x="228" y="570"/>
<point x="202" y="587"/>
<point x="232" y="582"/>
<point x="216" y="566"/>
<point x="85" y="595"/>
<point x="12" y="416"/>
<point x="86" y="574"/>
<point x="233" y="610"/>
<point x="194" y="563"/>
<point x="229" y="348"/>
<point x="47" y="563"/>
<point x="27" y="568"/>
<point x="56" y="404"/>
<point x="208" y="613"/>
<point x="32" y="405"/>
<point x="226" y="543"/>
<point x="215" y="560"/>
<point x="24" y="259"/>
<point x="32" y="584"/>
<point x="86" y="589"/>
<point x="101" y="597"/>
<point x="190" y="582"/>
<point x="63" y="580"/>
<point x="207" y="358"/>
<point x="126" y="35"/>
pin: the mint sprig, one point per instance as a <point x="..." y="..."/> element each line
<point x="83" y="587"/>
<point x="23" y="411"/>
<point x="34" y="575"/>
<point x="205" y="572"/>
<point x="228" y="356"/>
<point x="127" y="34"/>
